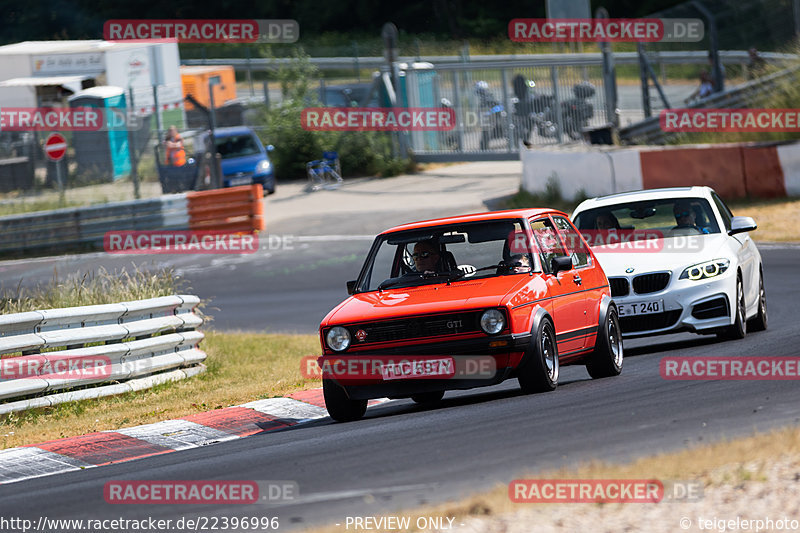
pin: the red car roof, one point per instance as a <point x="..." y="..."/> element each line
<point x="476" y="217"/>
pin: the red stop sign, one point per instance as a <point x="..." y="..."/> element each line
<point x="55" y="146"/>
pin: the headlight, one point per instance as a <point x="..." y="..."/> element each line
<point x="709" y="269"/>
<point x="263" y="166"/>
<point x="338" y="339"/>
<point x="492" y="321"/>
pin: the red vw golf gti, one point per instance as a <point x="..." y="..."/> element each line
<point x="465" y="302"/>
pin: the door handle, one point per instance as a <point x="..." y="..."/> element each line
<point x="577" y="279"/>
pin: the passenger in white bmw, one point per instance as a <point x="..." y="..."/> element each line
<point x="700" y="271"/>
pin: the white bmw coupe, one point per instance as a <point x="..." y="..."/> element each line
<point x="677" y="260"/>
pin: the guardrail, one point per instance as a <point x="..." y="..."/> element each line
<point x="584" y="59"/>
<point x="236" y="209"/>
<point x="748" y="94"/>
<point x="144" y="341"/>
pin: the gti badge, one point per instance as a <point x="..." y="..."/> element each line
<point x="361" y="335"/>
<point x="629" y="270"/>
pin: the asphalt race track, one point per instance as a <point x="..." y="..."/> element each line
<point x="401" y="455"/>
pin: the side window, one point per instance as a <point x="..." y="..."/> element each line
<point x="547" y="242"/>
<point x="575" y="245"/>
<point x="723" y="211"/>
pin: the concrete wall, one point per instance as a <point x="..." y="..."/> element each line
<point x="733" y="170"/>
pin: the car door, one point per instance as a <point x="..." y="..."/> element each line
<point x="567" y="299"/>
<point x="745" y="252"/>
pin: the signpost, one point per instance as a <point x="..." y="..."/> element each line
<point x="55" y="147"/>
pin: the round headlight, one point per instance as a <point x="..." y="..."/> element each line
<point x="338" y="339"/>
<point x="492" y="321"/>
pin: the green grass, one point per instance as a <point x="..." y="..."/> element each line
<point x="32" y="206"/>
<point x="101" y="287"/>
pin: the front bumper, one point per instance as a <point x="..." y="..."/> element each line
<point x="476" y="362"/>
<point x="694" y="306"/>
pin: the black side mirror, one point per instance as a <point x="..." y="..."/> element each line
<point x="557" y="264"/>
<point x="351" y="286"/>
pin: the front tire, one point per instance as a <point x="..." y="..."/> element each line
<point x="339" y="406"/>
<point x="739" y="327"/>
<point x="539" y="371"/>
<point x="606" y="359"/>
<point x="759" y="323"/>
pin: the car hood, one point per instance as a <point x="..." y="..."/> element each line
<point x="674" y="254"/>
<point x="241" y="164"/>
<point x="426" y="299"/>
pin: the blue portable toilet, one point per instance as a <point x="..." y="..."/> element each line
<point x="104" y="152"/>
<point x="424" y="76"/>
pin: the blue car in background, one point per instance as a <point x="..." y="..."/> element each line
<point x="244" y="159"/>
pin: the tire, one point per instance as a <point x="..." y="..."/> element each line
<point x="428" y="397"/>
<point x="607" y="357"/>
<point x="759" y="323"/>
<point x="739" y="327"/>
<point x="339" y="406"/>
<point x="539" y="370"/>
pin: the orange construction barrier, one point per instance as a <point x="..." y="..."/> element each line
<point x="236" y="209"/>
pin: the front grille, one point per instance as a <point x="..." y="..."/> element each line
<point x="646" y="283"/>
<point x="412" y="328"/>
<point x="630" y="324"/>
<point x="619" y="286"/>
<point x="712" y="309"/>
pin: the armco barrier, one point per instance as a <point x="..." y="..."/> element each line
<point x="237" y="209"/>
<point x="145" y="341"/>
<point x="767" y="170"/>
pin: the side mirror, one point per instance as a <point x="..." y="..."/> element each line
<point x="270" y="148"/>
<point x="742" y="225"/>
<point x="351" y="286"/>
<point x="557" y="264"/>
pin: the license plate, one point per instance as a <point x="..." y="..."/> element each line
<point x="245" y="180"/>
<point x="419" y="368"/>
<point x="641" y="308"/>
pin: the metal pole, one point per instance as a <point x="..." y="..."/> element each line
<point x="509" y="124"/>
<point x="132" y="145"/>
<point x="62" y="195"/>
<point x="557" y="104"/>
<point x="159" y="123"/>
<point x="645" y="86"/>
<point x="718" y="74"/>
<point x="609" y="76"/>
<point x="249" y="72"/>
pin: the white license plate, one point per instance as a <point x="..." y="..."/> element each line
<point x="419" y="368"/>
<point x="641" y="308"/>
<point x="246" y="180"/>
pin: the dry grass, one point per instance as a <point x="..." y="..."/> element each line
<point x="714" y="465"/>
<point x="778" y="220"/>
<point x="242" y="367"/>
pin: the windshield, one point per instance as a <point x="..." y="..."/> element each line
<point x="663" y="218"/>
<point x="450" y="253"/>
<point x="237" y="146"/>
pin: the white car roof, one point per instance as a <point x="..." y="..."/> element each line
<point x="648" y="194"/>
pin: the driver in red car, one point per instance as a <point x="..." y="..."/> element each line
<point x="426" y="256"/>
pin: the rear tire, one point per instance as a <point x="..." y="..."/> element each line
<point x="739" y="327"/>
<point x="759" y="323"/>
<point x="606" y="359"/>
<point x="427" y="398"/>
<point x="339" y="406"/>
<point x="539" y="370"/>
